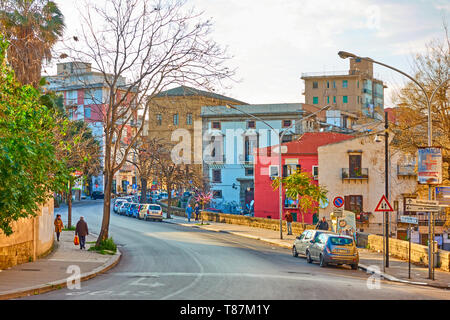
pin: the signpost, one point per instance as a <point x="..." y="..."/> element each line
<point x="409" y="220"/>
<point x="385" y="206"/>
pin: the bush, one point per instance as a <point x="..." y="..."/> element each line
<point x="106" y="247"/>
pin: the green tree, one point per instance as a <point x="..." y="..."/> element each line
<point x="29" y="169"/>
<point x="300" y="186"/>
<point x="32" y="27"/>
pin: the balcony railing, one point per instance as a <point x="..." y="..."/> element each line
<point x="359" y="174"/>
<point x="406" y="170"/>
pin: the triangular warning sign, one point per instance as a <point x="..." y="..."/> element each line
<point x="384" y="205"/>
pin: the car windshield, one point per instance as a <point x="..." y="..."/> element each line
<point x="341" y="241"/>
<point x="127" y="204"/>
<point x="155" y="208"/>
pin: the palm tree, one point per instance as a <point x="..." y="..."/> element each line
<point x="32" y="27"/>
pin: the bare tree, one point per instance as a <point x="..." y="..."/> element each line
<point x="153" y="45"/>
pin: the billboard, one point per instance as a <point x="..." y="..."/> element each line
<point x="443" y="195"/>
<point x="429" y="170"/>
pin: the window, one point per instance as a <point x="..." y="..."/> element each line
<point x="287" y="123"/>
<point x="340" y="241"/>
<point x="87" y="112"/>
<point x="273" y="171"/>
<point x="158" y="119"/>
<point x="249" y="172"/>
<point x="217" y="194"/>
<point x="315" y="172"/>
<point x="328" y="99"/>
<point x="334" y="84"/>
<point x="175" y="119"/>
<point x="217" y="175"/>
<point x="289" y="169"/>
<point x="345" y="99"/>
<point x="334" y="99"/>
<point x="250" y="144"/>
<point x="328" y="84"/>
<point x="357" y="84"/>
<point x="215" y="125"/>
<point x="344" y="83"/>
<point x="308" y="235"/>
<point x="286" y="138"/>
<point x="354" y="162"/>
<point x="315" y="100"/>
<point x="315" y="84"/>
<point x="251" y="124"/>
<point x="189" y="118"/>
<point x="353" y="203"/>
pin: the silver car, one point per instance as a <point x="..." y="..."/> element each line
<point x="335" y="249"/>
<point x="303" y="241"/>
<point x="124" y="207"/>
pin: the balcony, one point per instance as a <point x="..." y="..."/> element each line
<point x="406" y="170"/>
<point x="355" y="174"/>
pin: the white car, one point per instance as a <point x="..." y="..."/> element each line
<point x="150" y="212"/>
<point x="117" y="204"/>
<point x="124" y="207"/>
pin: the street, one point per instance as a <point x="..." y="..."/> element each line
<point x="166" y="261"/>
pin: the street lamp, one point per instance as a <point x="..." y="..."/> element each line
<point x="280" y="167"/>
<point x="345" y="55"/>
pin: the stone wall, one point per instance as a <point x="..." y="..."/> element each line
<point x="271" y="224"/>
<point x="31" y="238"/>
<point x="400" y="249"/>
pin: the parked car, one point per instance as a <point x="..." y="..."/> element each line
<point x="163" y="195"/>
<point x="124" y="207"/>
<point x="97" y="195"/>
<point x="133" y="210"/>
<point x="303" y="241"/>
<point x="150" y="212"/>
<point x="333" y="249"/>
<point x="117" y="204"/>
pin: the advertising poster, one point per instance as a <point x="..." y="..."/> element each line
<point x="429" y="170"/>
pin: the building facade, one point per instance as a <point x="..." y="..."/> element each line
<point x="299" y="154"/>
<point x="230" y="136"/>
<point x="85" y="95"/>
<point x="355" y="91"/>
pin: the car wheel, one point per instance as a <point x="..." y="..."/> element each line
<point x="322" y="261"/>
<point x="354" y="267"/>
<point x="308" y="257"/>
<point x="294" y="252"/>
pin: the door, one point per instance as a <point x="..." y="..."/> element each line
<point x="305" y="242"/>
<point x="354" y="165"/>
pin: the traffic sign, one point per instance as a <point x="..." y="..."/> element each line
<point x="338" y="202"/>
<point x="409" y="219"/>
<point x="134" y="186"/>
<point x="323" y="203"/>
<point x="420" y="208"/>
<point x="384" y="205"/>
<point x="420" y="202"/>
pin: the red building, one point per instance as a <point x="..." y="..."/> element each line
<point x="300" y="154"/>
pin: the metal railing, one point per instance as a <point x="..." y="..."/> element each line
<point x="362" y="173"/>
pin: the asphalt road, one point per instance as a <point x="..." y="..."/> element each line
<point x="167" y="261"/>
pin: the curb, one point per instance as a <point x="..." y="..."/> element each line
<point x="59" y="284"/>
<point x="361" y="266"/>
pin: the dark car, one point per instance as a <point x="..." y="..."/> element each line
<point x="97" y="195"/>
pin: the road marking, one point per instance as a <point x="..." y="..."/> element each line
<point x="137" y="282"/>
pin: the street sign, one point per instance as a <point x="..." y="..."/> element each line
<point x="338" y="202"/>
<point x="443" y="195"/>
<point x="338" y="213"/>
<point x="429" y="169"/>
<point x="134" y="186"/>
<point x="421" y="208"/>
<point x="420" y="202"/>
<point x="409" y="219"/>
<point x="323" y="203"/>
<point x="384" y="205"/>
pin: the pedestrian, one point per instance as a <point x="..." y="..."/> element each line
<point x="289" y="219"/>
<point x="197" y="211"/>
<point x="59" y="225"/>
<point x="189" y="212"/>
<point x="322" y="224"/>
<point x="82" y="231"/>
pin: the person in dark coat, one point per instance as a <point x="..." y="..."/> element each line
<point x="82" y="231"/>
<point x="322" y="225"/>
<point x="196" y="211"/>
<point x="289" y="219"/>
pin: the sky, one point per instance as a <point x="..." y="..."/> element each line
<point x="274" y="41"/>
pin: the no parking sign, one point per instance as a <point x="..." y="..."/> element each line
<point x="338" y="202"/>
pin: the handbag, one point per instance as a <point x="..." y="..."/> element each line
<point x="76" y="241"/>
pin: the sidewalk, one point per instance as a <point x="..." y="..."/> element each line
<point x="50" y="272"/>
<point x="397" y="271"/>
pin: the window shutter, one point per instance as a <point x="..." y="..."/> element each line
<point x="347" y="203"/>
<point x="285" y="171"/>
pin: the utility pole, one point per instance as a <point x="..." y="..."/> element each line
<point x="386" y="185"/>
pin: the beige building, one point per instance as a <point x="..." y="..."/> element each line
<point x="354" y="170"/>
<point x="355" y="91"/>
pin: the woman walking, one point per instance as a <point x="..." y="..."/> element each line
<point x="59" y="225"/>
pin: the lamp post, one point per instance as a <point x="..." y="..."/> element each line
<point x="280" y="167"/>
<point x="429" y="99"/>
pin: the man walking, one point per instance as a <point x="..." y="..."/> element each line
<point x="322" y="224"/>
<point x="82" y="231"/>
<point x="189" y="212"/>
<point x="289" y="219"/>
<point x="58" y="226"/>
<point x="196" y="211"/>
